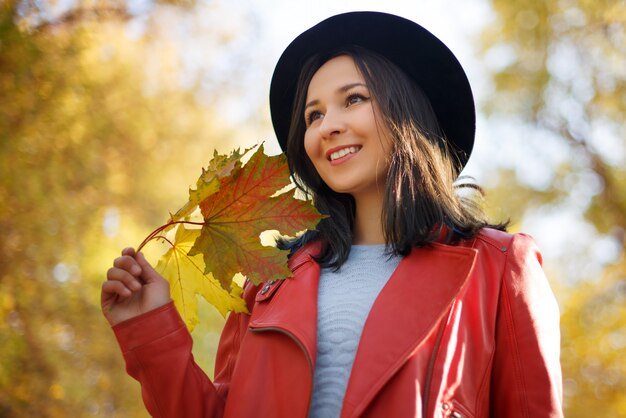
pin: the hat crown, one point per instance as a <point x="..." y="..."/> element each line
<point x="411" y="47"/>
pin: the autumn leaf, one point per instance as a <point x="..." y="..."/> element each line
<point x="188" y="279"/>
<point x="237" y="203"/>
<point x="244" y="207"/>
<point x="209" y="181"/>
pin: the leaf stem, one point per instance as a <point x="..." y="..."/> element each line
<point x="155" y="234"/>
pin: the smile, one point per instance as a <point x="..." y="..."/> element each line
<point x="335" y="155"/>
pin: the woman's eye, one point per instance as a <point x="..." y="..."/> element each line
<point x="355" y="98"/>
<point x="313" y="116"/>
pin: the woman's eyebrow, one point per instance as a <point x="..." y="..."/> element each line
<point x="349" y="86"/>
<point x="341" y="89"/>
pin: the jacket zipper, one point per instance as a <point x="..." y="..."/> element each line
<point x="299" y="343"/>
<point x="431" y="365"/>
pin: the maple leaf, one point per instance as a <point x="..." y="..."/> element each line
<point x="209" y="181"/>
<point x="188" y="279"/>
<point x="237" y="203"/>
<point x="244" y="207"/>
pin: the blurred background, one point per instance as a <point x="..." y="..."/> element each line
<point x="109" y="109"/>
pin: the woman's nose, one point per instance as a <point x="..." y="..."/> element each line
<point x="332" y="123"/>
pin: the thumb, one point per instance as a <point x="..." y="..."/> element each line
<point x="148" y="273"/>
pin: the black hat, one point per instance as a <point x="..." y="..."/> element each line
<point x="422" y="56"/>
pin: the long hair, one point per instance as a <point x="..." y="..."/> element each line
<point x="420" y="198"/>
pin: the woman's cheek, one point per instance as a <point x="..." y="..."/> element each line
<point x="311" y="146"/>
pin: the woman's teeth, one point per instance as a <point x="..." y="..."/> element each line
<point x="343" y="152"/>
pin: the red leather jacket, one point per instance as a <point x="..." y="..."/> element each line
<point x="469" y="330"/>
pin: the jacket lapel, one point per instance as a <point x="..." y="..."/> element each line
<point x="293" y="308"/>
<point x="417" y="295"/>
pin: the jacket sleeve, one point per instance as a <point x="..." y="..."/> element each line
<point x="157" y="350"/>
<point x="526" y="375"/>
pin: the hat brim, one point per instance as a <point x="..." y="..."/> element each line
<point x="422" y="56"/>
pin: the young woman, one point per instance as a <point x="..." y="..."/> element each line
<point x="405" y="302"/>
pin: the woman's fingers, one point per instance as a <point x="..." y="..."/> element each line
<point x="128" y="263"/>
<point x="114" y="287"/>
<point x="132" y="287"/>
<point x="122" y="275"/>
<point x="128" y="251"/>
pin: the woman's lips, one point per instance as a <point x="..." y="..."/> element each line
<point x="341" y="154"/>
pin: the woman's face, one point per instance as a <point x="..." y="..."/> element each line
<point x="346" y="140"/>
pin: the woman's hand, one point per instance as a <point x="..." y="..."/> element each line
<point x="132" y="288"/>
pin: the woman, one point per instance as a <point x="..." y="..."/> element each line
<point x="405" y="302"/>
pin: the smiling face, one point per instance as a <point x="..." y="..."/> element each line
<point x="347" y="143"/>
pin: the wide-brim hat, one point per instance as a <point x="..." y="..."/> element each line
<point x="421" y="55"/>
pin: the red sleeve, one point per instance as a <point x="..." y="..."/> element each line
<point x="526" y="375"/>
<point x="157" y="350"/>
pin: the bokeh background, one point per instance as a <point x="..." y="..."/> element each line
<point x="109" y="109"/>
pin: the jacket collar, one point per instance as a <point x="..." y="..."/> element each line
<point x="409" y="306"/>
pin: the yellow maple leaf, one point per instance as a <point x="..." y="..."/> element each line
<point x="188" y="279"/>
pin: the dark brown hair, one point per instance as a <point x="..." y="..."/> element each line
<point x="421" y="197"/>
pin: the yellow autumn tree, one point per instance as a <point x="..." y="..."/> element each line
<point x="95" y="148"/>
<point x="558" y="72"/>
